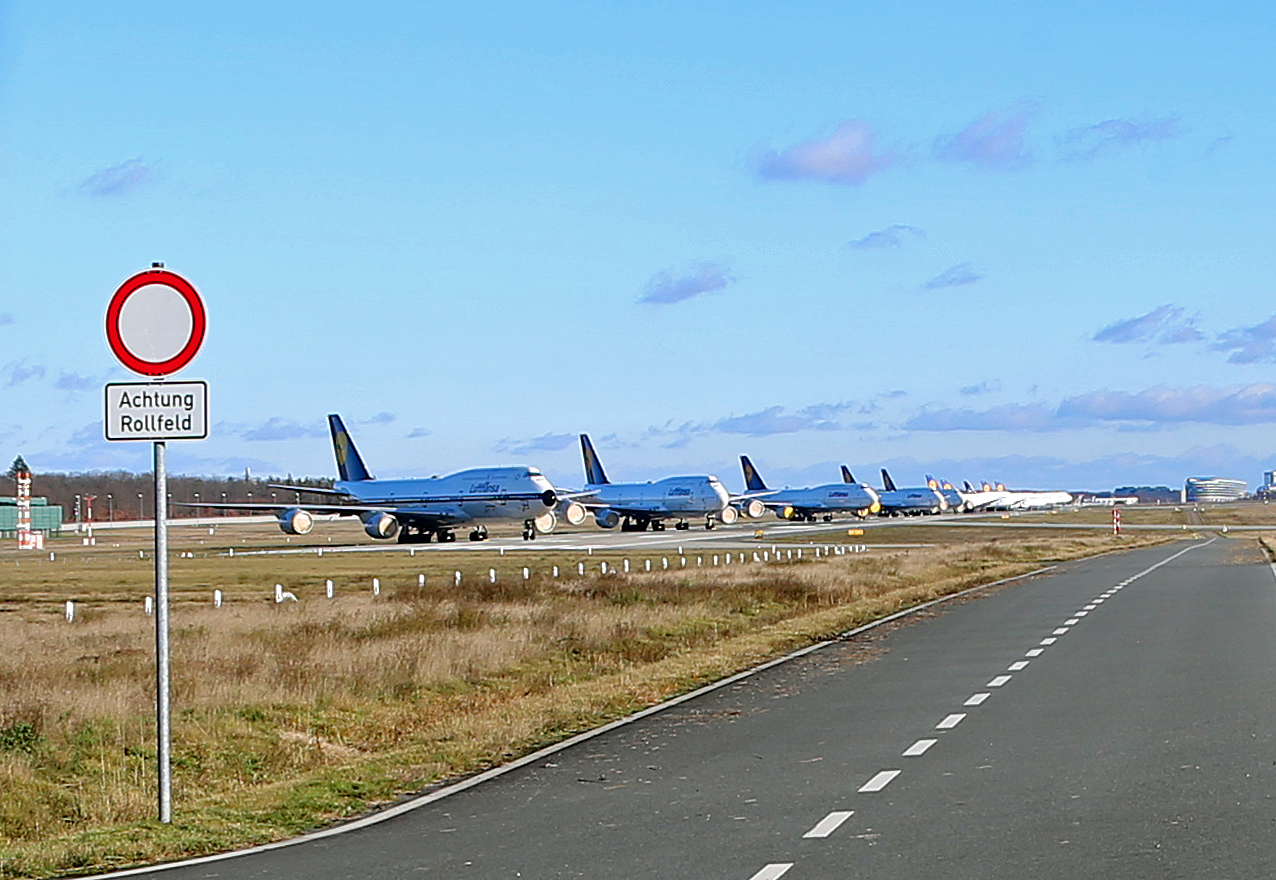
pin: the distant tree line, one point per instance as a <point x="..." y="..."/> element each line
<point x="121" y="495"/>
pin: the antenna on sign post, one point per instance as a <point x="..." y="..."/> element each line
<point x="155" y="326"/>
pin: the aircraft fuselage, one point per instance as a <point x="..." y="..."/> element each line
<point x="518" y="493"/>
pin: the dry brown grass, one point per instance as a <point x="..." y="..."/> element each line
<point x="287" y="716"/>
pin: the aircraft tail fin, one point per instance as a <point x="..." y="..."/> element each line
<point x="966" y="484"/>
<point x="752" y="480"/>
<point x="350" y="467"/>
<point x="887" y="483"/>
<point x="847" y="476"/>
<point x="594" y="474"/>
<point x="931" y="482"/>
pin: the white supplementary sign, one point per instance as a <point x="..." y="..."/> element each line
<point x="156" y="411"/>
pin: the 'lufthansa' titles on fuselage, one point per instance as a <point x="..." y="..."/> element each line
<point x="156" y="411"/>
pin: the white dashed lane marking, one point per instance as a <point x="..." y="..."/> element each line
<point x="773" y="872"/>
<point x="951" y="721"/>
<point x="1018" y="665"/>
<point x="829" y="823"/>
<point x="1049" y="641"/>
<point x="976" y="700"/>
<point x="1061" y="631"/>
<point x="1071" y="621"/>
<point x="919" y="748"/>
<point x="1035" y="652"/>
<point x="998" y="681"/>
<point x="880" y="781"/>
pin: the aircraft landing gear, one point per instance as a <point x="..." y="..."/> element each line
<point x="443" y="536"/>
<point x="635" y="525"/>
<point x="657" y="525"/>
<point x="412" y="535"/>
<point x="828" y="517"/>
<point x="529" y="530"/>
<point x="479" y="534"/>
<point x="682" y="525"/>
<point x="710" y="524"/>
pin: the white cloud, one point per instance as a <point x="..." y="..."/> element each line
<point x="845" y="156"/>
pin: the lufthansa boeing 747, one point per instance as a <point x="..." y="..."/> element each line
<point x="642" y="506"/>
<point x="813" y="502"/>
<point x="417" y="510"/>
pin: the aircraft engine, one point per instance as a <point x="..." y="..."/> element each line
<point x="606" y="518"/>
<point x="295" y="521"/>
<point x="754" y="509"/>
<point x="573" y="511"/>
<point x="545" y="522"/>
<point x="785" y="512"/>
<point x="380" y="525"/>
<point x="728" y="515"/>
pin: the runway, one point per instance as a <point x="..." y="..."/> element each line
<point x="1115" y="717"/>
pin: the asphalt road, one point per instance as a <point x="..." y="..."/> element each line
<point x="1115" y="718"/>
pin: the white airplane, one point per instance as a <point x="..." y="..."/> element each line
<point x="1033" y="500"/>
<point x="418" y="509"/>
<point x="1002" y="498"/>
<point x="983" y="498"/>
<point x="635" y="507"/>
<point x="813" y="502"/>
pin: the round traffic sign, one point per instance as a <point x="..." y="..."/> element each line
<point x="155" y="322"/>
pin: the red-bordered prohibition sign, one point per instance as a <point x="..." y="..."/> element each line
<point x="151" y="330"/>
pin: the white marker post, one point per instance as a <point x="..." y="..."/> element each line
<point x="155" y="326"/>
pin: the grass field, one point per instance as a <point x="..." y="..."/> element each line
<point x="289" y="716"/>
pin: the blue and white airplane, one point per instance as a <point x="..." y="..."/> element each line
<point x="637" y="507"/>
<point x="956" y="501"/>
<point x="813" y="502"/>
<point x="417" y="510"/>
<point x="909" y="502"/>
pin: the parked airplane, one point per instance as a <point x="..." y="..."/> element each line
<point x="909" y="502"/>
<point x="1032" y="500"/>
<point x="956" y="502"/>
<point x="998" y="497"/>
<point x="984" y="498"/>
<point x="639" y="506"/>
<point x="813" y="502"/>
<point x="418" y="509"/>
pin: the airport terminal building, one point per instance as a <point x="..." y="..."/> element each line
<point x="1214" y="489"/>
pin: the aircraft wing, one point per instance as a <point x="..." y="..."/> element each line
<point x="272" y="507"/>
<point x="748" y="496"/>
<point x="402" y="514"/>
<point x="649" y="512"/>
<point x="314" y="489"/>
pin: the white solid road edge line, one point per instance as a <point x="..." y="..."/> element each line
<point x="407" y="806"/>
<point x="829" y="824"/>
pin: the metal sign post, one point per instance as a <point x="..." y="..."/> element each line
<point x="163" y="726"/>
<point x="155" y="326"/>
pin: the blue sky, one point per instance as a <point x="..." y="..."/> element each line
<point x="983" y="240"/>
